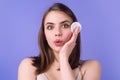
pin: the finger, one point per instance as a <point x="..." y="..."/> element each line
<point x="76" y="30"/>
<point x="75" y="33"/>
<point x="74" y="36"/>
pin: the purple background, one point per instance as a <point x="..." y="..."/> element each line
<point x="19" y="26"/>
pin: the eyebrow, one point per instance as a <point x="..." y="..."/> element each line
<point x="60" y="22"/>
<point x="65" y="22"/>
<point x="49" y="23"/>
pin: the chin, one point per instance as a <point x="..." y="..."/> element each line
<point x="57" y="50"/>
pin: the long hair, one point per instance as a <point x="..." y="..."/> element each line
<point x="46" y="57"/>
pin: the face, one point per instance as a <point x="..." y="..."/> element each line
<point x="57" y="29"/>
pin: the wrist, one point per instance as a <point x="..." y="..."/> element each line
<point x="63" y="59"/>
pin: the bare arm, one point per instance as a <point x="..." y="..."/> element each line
<point x="26" y="71"/>
<point x="91" y="70"/>
<point x="65" y="70"/>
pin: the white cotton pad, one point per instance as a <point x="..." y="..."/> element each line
<point x="75" y="24"/>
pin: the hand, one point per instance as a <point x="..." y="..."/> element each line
<point x="68" y="46"/>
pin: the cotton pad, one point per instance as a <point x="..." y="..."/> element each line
<point x="75" y="24"/>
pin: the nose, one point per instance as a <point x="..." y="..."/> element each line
<point x="58" y="32"/>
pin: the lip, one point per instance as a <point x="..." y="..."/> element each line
<point x="58" y="42"/>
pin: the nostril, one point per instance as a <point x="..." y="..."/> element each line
<point x="58" y="34"/>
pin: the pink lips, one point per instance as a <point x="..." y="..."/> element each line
<point x="58" y="42"/>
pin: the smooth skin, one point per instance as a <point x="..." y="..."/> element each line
<point x="57" y="27"/>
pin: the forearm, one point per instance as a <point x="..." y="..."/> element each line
<point x="65" y="70"/>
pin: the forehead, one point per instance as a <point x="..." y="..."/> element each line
<point x="57" y="16"/>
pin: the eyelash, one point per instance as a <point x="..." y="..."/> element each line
<point x="50" y="27"/>
<point x="66" y="25"/>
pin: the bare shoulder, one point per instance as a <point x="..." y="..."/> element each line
<point x="91" y="63"/>
<point x="26" y="70"/>
<point x="91" y="69"/>
<point x="26" y="63"/>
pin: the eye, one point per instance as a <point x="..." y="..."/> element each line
<point x="66" y="25"/>
<point x="50" y="27"/>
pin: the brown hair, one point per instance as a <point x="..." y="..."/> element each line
<point x="46" y="57"/>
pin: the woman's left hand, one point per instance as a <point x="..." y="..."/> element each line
<point x="68" y="46"/>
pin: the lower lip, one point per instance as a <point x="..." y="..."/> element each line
<point x="58" y="43"/>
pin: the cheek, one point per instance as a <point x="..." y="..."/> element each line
<point x="68" y="36"/>
<point x="49" y="37"/>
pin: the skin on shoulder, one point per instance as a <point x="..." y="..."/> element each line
<point x="26" y="70"/>
<point x="91" y="70"/>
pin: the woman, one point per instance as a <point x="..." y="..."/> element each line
<point x="59" y="57"/>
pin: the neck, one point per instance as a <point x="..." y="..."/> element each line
<point x="56" y="64"/>
<point x="56" y="56"/>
